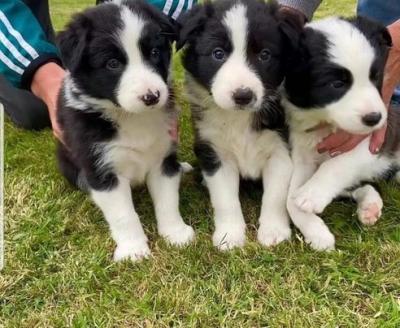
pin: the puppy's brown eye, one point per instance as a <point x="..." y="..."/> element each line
<point x="338" y="84"/>
<point x="218" y="54"/>
<point x="265" y="55"/>
<point x="155" y="53"/>
<point x="113" y="64"/>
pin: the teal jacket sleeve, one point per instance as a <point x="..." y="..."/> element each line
<point x="23" y="44"/>
<point x="173" y="8"/>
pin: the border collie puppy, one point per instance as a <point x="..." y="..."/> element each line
<point x="334" y="83"/>
<point x="115" y="109"/>
<point x="234" y="62"/>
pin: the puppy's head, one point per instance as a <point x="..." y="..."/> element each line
<point x="235" y="50"/>
<point x="338" y="69"/>
<point x="120" y="53"/>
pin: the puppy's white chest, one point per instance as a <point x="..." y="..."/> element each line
<point x="234" y="140"/>
<point x="142" y="142"/>
<point x="305" y="144"/>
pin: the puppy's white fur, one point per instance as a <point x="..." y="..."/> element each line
<point x="139" y="78"/>
<point x="245" y="152"/>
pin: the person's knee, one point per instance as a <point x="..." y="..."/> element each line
<point x="24" y="109"/>
<point x="29" y="115"/>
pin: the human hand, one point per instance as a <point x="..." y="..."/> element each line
<point x="46" y="85"/>
<point x="392" y="69"/>
<point x="174" y="129"/>
<point x="342" y="142"/>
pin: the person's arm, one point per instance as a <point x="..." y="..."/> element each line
<point x="303" y="8"/>
<point x="23" y="44"/>
<point x="392" y="71"/>
<point x="27" y="59"/>
<point x="46" y="85"/>
<point x="342" y="142"/>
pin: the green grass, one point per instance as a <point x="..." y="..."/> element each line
<point x="58" y="254"/>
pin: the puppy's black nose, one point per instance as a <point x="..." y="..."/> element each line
<point x="372" y="119"/>
<point x="151" y="98"/>
<point x="243" y="96"/>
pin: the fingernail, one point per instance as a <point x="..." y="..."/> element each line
<point x="335" y="153"/>
<point x="376" y="150"/>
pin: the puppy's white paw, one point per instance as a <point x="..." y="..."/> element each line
<point x="186" y="167"/>
<point x="273" y="235"/>
<point x="320" y="238"/>
<point x="228" y="236"/>
<point x="370" y="213"/>
<point x="135" y="251"/>
<point x="310" y="200"/>
<point x="179" y="235"/>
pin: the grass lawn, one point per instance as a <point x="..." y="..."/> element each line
<point x="58" y="254"/>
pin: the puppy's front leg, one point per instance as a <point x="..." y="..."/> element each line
<point x="126" y="229"/>
<point x="230" y="228"/>
<point x="315" y="231"/>
<point x="338" y="174"/>
<point x="274" y="220"/>
<point x="163" y="183"/>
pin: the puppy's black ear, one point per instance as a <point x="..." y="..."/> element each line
<point x="291" y="28"/>
<point x="191" y="23"/>
<point x="169" y="28"/>
<point x="386" y="38"/>
<point x="72" y="42"/>
<point x="373" y="30"/>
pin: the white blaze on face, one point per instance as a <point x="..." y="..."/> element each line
<point x="236" y="73"/>
<point x="138" y="78"/>
<point x="350" y="49"/>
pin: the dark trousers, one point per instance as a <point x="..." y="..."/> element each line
<point x="22" y="106"/>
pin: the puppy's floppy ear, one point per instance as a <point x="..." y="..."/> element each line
<point x="191" y="23"/>
<point x="170" y="28"/>
<point x="386" y="38"/>
<point x="373" y="30"/>
<point x="291" y="29"/>
<point x="72" y="42"/>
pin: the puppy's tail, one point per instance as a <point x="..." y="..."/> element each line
<point x="69" y="169"/>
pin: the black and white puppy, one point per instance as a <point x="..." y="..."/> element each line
<point x="334" y="83"/>
<point x="115" y="109"/>
<point x="234" y="62"/>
